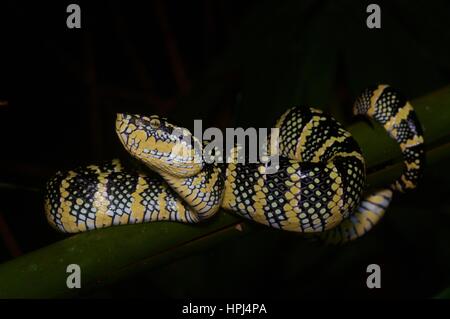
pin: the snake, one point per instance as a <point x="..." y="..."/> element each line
<point x="318" y="188"/>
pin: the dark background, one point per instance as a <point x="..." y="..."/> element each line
<point x="230" y="63"/>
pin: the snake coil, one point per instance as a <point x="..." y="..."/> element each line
<point x="317" y="190"/>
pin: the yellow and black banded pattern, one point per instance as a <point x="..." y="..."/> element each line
<point x="391" y="109"/>
<point x="104" y="195"/>
<point x="319" y="181"/>
<point x="317" y="190"/>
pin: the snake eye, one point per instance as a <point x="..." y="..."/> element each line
<point x="155" y="123"/>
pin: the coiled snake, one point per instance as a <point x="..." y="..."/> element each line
<point x="317" y="188"/>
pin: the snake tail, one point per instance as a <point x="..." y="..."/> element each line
<point x="389" y="108"/>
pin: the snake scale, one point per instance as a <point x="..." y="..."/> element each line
<point x="317" y="190"/>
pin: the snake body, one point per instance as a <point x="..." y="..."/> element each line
<point x="318" y="188"/>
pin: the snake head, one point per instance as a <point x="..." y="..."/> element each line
<point x="162" y="146"/>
